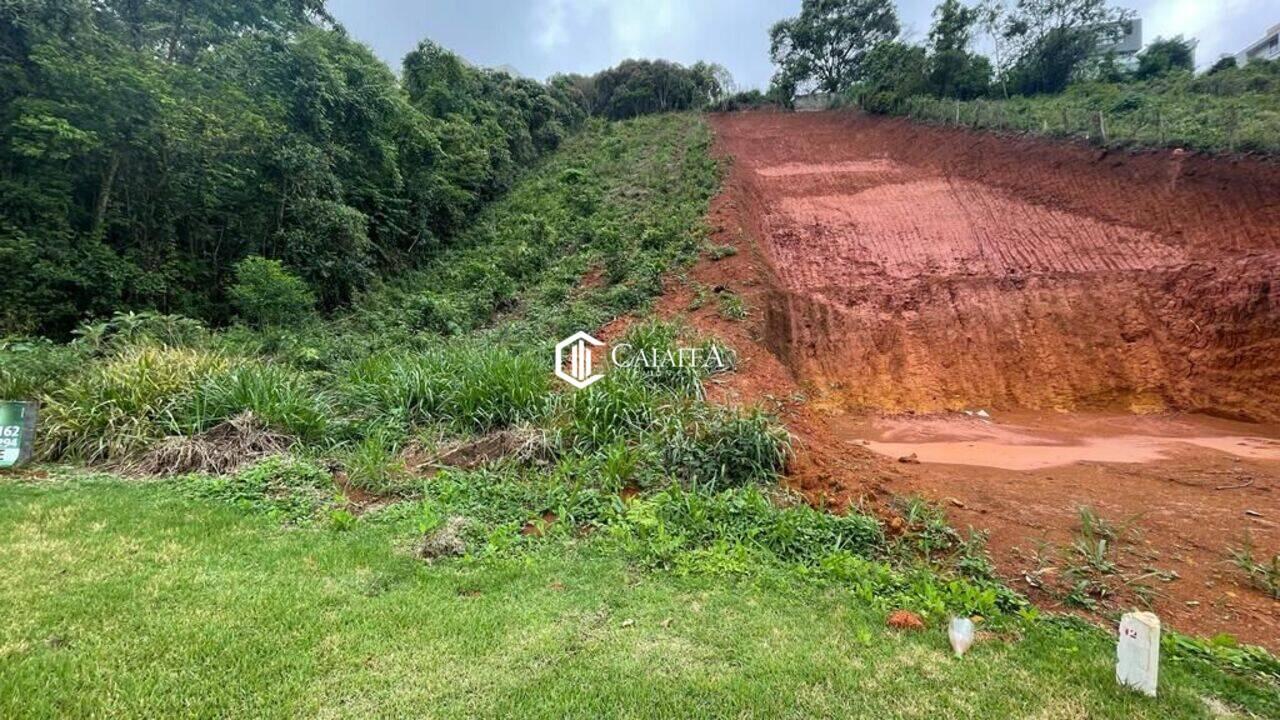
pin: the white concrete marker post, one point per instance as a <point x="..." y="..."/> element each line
<point x="1138" y="652"/>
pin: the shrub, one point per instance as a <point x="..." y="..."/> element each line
<point x="134" y="328"/>
<point x="119" y="406"/>
<point x="265" y="293"/>
<point x="31" y="367"/>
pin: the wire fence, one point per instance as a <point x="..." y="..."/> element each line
<point x="1194" y="122"/>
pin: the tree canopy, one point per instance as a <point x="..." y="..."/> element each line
<point x="148" y="146"/>
<point x="825" y="45"/>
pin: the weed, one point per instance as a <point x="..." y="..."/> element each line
<point x="731" y="306"/>
<point x="473" y="388"/>
<point x="720" y="252"/>
<point x="283" y="398"/>
<point x="1264" y="575"/>
<point x="374" y="464"/>
<point x="281" y="486"/>
<point x="32" y="367"/>
<point x="716" y="448"/>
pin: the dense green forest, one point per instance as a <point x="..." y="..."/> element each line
<point x="147" y="148"/>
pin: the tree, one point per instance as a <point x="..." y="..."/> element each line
<point x="1225" y="62"/>
<point x="265" y="293"/>
<point x="952" y="28"/>
<point x="1164" y="56"/>
<point x="894" y="71"/>
<point x="147" y="146"/>
<point x="1052" y="39"/>
<point x="993" y="16"/>
<point x="826" y="44"/>
<point x="953" y="71"/>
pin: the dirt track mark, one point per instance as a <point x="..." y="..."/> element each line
<point x="913" y="273"/>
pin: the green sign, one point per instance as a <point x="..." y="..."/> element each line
<point x="17" y="432"/>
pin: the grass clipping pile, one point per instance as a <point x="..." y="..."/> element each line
<point x="221" y="450"/>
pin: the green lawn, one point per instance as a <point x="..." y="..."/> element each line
<point x="130" y="599"/>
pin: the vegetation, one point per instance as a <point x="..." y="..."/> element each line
<point x="825" y="45"/>
<point x="148" y="148"/>
<point x="640" y="87"/>
<point x="314" y="304"/>
<point x="129" y="599"/>
<point x="1233" y="110"/>
<point x="1051" y="72"/>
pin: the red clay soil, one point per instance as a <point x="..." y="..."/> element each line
<point x="898" y="268"/>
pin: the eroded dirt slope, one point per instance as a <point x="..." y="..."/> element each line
<point x="893" y="270"/>
<point x="923" y="269"/>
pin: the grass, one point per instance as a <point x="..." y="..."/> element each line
<point x="131" y="600"/>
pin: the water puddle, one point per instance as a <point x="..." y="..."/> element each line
<point x="1031" y="441"/>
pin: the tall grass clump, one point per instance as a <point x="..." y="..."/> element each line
<point x="119" y="405"/>
<point x="715" y="448"/>
<point x="676" y="520"/>
<point x="472" y="388"/>
<point x="282" y="397"/>
<point x="655" y="352"/>
<point x="621" y="406"/>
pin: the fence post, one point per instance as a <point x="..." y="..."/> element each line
<point x="957" y="112"/>
<point x="1160" y="125"/>
<point x="1102" y="127"/>
<point x="1233" y="125"/>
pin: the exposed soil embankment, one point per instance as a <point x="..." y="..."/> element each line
<point x="890" y="267"/>
<point x="918" y="268"/>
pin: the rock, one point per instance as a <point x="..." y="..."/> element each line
<point x="909" y="459"/>
<point x="904" y="620"/>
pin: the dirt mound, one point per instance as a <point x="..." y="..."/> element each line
<point x="916" y="268"/>
<point x="222" y="449"/>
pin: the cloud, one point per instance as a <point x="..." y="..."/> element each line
<point x="634" y="27"/>
<point x="1224" y="26"/>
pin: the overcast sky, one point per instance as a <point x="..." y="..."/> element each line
<point x="542" y="37"/>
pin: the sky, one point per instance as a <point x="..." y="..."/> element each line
<point x="538" y="38"/>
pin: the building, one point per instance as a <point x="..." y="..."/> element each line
<point x="1268" y="48"/>
<point x="1127" y="44"/>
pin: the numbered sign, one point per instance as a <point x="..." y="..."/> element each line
<point x="17" y="432"/>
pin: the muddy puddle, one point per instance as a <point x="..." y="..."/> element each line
<point x="1031" y="441"/>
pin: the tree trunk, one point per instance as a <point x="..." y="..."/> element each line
<point x="104" y="193"/>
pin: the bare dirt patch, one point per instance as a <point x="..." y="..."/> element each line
<point x="899" y="271"/>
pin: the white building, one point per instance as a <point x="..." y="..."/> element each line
<point x="1268" y="48"/>
<point x="1127" y="44"/>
